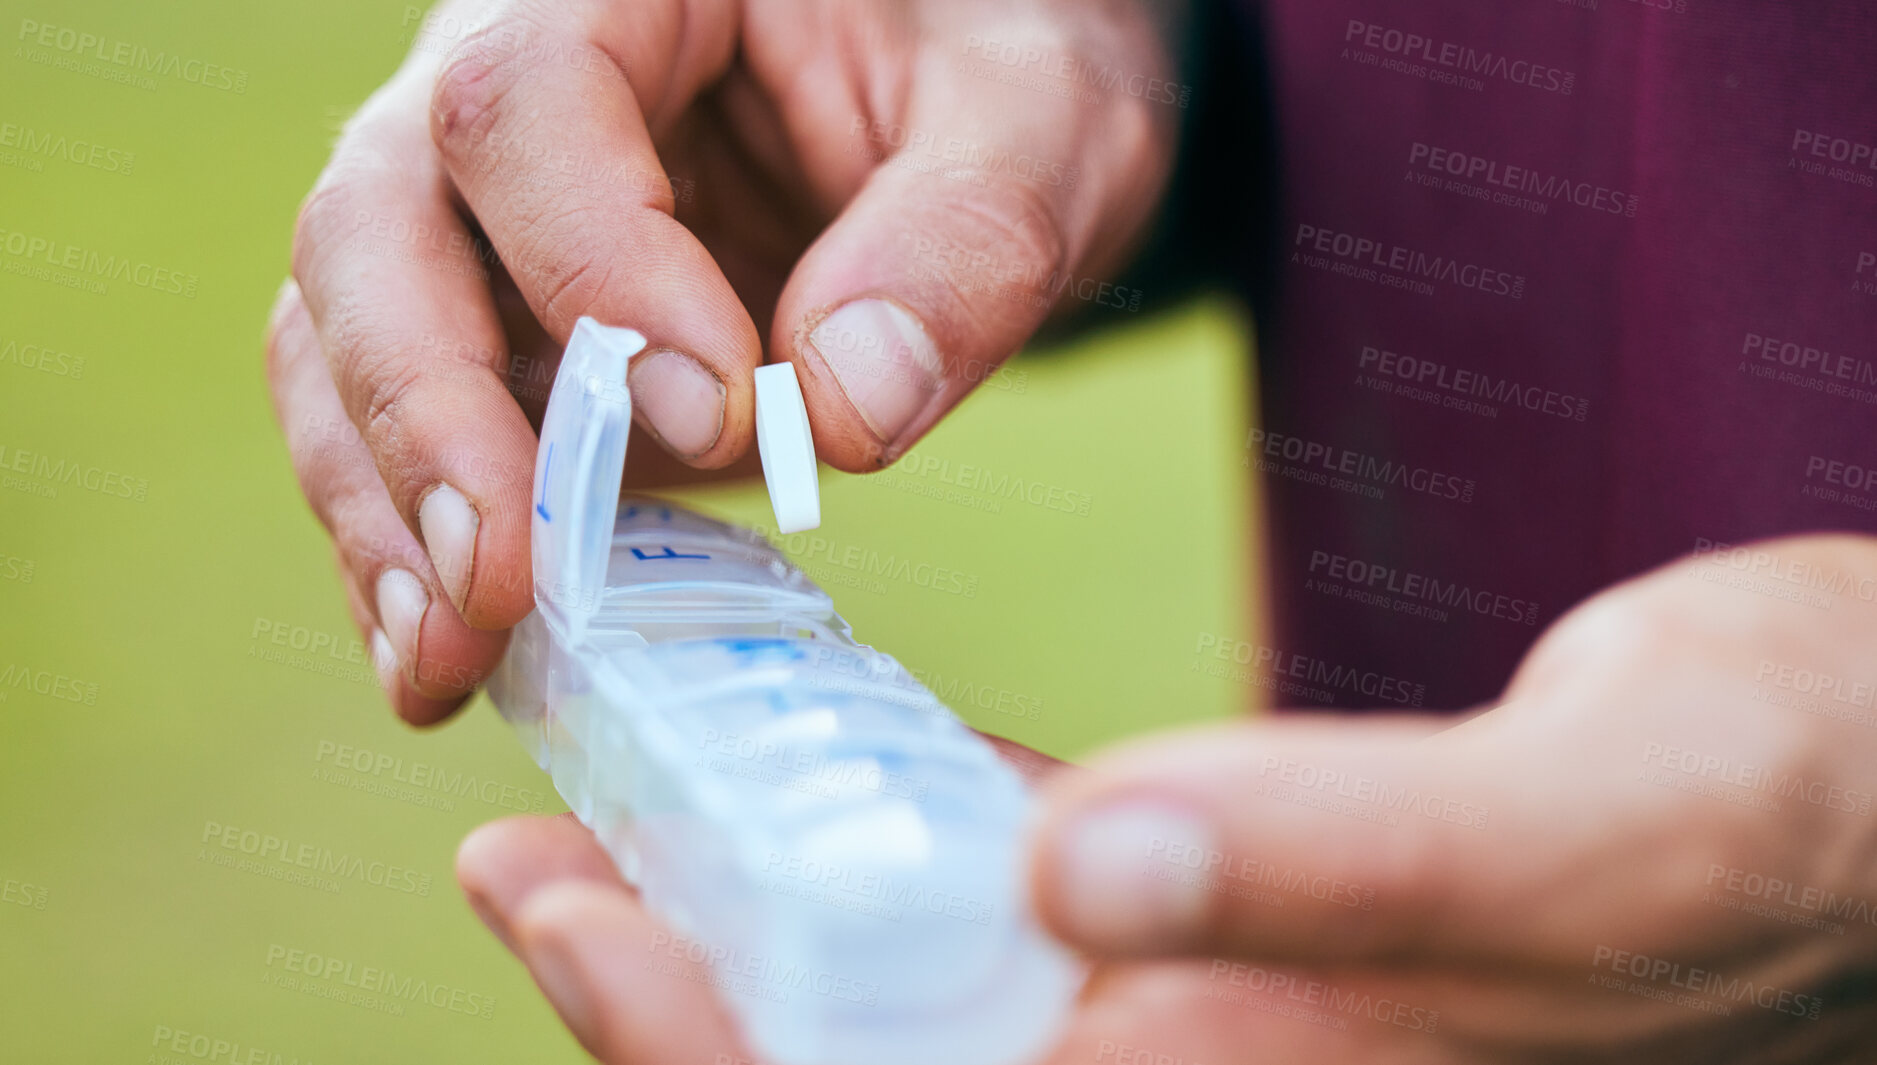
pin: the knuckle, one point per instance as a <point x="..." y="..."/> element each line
<point x="995" y="256"/>
<point x="474" y="79"/>
<point x="565" y="285"/>
<point x="324" y="218"/>
<point x="387" y="386"/>
<point x="1014" y="220"/>
<point x="378" y="380"/>
<point x="366" y="165"/>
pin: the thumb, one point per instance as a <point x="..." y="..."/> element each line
<point x="978" y="213"/>
<point x="1299" y="842"/>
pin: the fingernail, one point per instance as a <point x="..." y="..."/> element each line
<point x="680" y="400"/>
<point x="883" y="359"/>
<point x="383" y="658"/>
<point x="448" y="524"/>
<point x="1121" y="882"/>
<point x="553" y="961"/>
<point x="401" y="605"/>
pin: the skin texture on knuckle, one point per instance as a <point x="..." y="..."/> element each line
<point x="385" y="383"/>
<point x="1010" y="230"/>
<point x="475" y="77"/>
<point x="325" y="216"/>
<point x="561" y="286"/>
<point x="369" y="156"/>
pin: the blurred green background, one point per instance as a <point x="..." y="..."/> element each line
<point x="145" y="710"/>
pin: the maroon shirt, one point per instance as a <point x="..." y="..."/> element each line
<point x="1562" y="291"/>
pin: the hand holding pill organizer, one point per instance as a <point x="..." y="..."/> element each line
<point x="840" y="848"/>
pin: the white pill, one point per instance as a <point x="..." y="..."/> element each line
<point x="788" y="449"/>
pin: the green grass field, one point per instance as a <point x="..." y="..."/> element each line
<point x="147" y="715"/>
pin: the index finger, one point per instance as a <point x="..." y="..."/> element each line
<point x="400" y="296"/>
<point x="545" y="124"/>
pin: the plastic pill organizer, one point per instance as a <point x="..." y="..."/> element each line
<point x="804" y="815"/>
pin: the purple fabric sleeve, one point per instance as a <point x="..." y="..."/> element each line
<point x="1564" y="291"/>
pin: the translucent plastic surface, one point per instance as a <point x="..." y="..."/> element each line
<point x="807" y="818"/>
<point x="805" y="815"/>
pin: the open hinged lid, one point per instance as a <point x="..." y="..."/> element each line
<point x="578" y="468"/>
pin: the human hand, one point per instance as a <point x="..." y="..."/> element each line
<point x="1657" y="848"/>
<point x="855" y="176"/>
<point x="625" y="986"/>
<point x="1545" y="882"/>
